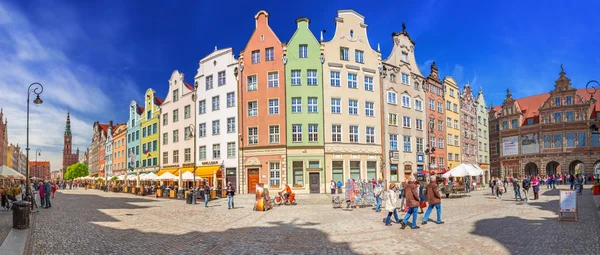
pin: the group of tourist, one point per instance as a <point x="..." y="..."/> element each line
<point x="10" y="193"/>
<point x="521" y="186"/>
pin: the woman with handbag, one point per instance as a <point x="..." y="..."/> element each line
<point x="390" y="205"/>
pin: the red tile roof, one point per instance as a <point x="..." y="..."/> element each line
<point x="158" y="101"/>
<point x="140" y="110"/>
<point x="188" y="86"/>
<point x="530" y="105"/>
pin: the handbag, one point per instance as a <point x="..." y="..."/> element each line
<point x="423" y="205"/>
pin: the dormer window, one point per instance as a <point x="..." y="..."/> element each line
<point x="404" y="57"/>
<point x="557" y="101"/>
<point x="351" y="33"/>
<point x="175" y="95"/>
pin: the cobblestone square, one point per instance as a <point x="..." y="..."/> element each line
<point x="94" y="222"/>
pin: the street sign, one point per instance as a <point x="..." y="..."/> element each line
<point x="567" y="205"/>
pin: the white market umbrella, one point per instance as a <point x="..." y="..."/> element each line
<point x="475" y="171"/>
<point x="187" y="176"/>
<point x="6" y="171"/>
<point x="459" y="171"/>
<point x="150" y="177"/>
<point x="167" y="177"/>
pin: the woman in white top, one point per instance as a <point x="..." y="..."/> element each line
<point x="390" y="204"/>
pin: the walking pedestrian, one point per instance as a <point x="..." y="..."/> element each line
<point x="390" y="204"/>
<point x="378" y="190"/>
<point x="517" y="189"/>
<point x="339" y="186"/>
<point x="421" y="197"/>
<point x="230" y="194"/>
<point x="48" y="191"/>
<point x="412" y="202"/>
<point x="572" y="181"/>
<point x="332" y="186"/>
<point x="499" y="188"/>
<point x="53" y="189"/>
<point x="206" y="193"/>
<point x="434" y="199"/>
<point x="42" y="195"/>
<point x="492" y="184"/>
<point x="526" y="186"/>
<point x="535" y="183"/>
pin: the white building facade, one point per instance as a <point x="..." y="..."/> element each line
<point x="176" y="122"/>
<point x="216" y="122"/>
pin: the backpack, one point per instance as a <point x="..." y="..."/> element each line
<point x="526" y="184"/>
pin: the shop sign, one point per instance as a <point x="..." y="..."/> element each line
<point x="420" y="158"/>
<point x="170" y="166"/>
<point x="408" y="168"/>
<point x="210" y="163"/>
<point x="188" y="165"/>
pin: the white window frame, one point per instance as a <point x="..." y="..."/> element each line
<point x="334" y="79"/>
<point x="406" y="101"/>
<point x="352" y="107"/>
<point x="252" y="135"/>
<point x="297" y="133"/>
<point x="296" y="105"/>
<point x="296" y="77"/>
<point x="369" y="109"/>
<point x="392" y="97"/>
<point x="352" y="80"/>
<point x="273" y="79"/>
<point x="336" y="105"/>
<point x="252" y="83"/>
<point x="273" y="106"/>
<point x="311" y="77"/>
<point x="313" y="104"/>
<point x="369" y="83"/>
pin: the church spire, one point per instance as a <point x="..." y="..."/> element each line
<point x="68" y="127"/>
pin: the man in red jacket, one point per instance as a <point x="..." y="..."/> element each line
<point x="412" y="202"/>
<point x="435" y="200"/>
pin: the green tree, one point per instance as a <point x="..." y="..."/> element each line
<point x="76" y="170"/>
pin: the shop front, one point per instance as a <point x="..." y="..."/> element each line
<point x="394" y="172"/>
<point x="306" y="175"/>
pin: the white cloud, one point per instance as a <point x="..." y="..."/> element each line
<point x="28" y="57"/>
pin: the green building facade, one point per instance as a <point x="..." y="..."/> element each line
<point x="304" y="117"/>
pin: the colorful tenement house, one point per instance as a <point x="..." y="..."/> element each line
<point x="262" y="136"/>
<point x="304" y="114"/>
<point x="176" y="142"/>
<point x="546" y="134"/>
<point x="150" y="132"/>
<point x="40" y="169"/>
<point x="133" y="136"/>
<point x="119" y="149"/>
<point x="217" y="117"/>
<point x="437" y="122"/>
<point x="68" y="157"/>
<point x="453" y="131"/>
<point x="3" y="140"/>
<point x="352" y="97"/>
<point x="404" y="110"/>
<point x="468" y="125"/>
<point x="98" y="149"/>
<point x="483" y="158"/>
<point x="14" y="158"/>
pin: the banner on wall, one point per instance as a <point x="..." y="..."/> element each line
<point x="530" y="144"/>
<point x="510" y="145"/>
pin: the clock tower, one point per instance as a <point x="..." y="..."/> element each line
<point x="69" y="157"/>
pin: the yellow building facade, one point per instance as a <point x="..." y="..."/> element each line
<point x="150" y="130"/>
<point x="452" y="98"/>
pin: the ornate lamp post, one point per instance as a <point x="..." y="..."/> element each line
<point x="37" y="89"/>
<point x="428" y="152"/>
<point x="192" y="134"/>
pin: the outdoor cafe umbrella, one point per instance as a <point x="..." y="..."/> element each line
<point x="459" y="171"/>
<point x="167" y="177"/>
<point x="8" y="172"/>
<point x="187" y="176"/>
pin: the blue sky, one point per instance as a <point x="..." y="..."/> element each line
<point x="94" y="57"/>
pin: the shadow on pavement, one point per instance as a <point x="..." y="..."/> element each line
<point x="70" y="227"/>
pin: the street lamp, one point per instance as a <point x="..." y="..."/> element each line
<point x="192" y="135"/>
<point x="37" y="89"/>
<point x="429" y="151"/>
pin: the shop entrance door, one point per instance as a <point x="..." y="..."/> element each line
<point x="315" y="184"/>
<point x="252" y="180"/>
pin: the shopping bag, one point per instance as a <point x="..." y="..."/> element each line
<point x="423" y="205"/>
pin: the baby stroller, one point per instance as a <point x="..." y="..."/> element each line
<point x="337" y="203"/>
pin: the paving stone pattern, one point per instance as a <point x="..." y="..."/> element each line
<point x="95" y="222"/>
<point x="5" y="223"/>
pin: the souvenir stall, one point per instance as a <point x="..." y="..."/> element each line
<point x="359" y="194"/>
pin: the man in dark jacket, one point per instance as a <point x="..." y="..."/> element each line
<point x="526" y="186"/>
<point x="230" y="194"/>
<point x="435" y="200"/>
<point x="48" y="192"/>
<point x="412" y="201"/>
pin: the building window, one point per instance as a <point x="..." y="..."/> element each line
<point x="252" y="83"/>
<point x="175" y="115"/>
<point x="202" y="130"/>
<point x="231" y="125"/>
<point x="273" y="106"/>
<point x="221" y="78"/>
<point x="440" y="107"/>
<point x="393" y="78"/>
<point x="344" y="53"/>
<point x="456" y="156"/>
<point x="252" y="135"/>
<point x="154" y="128"/>
<point x="448" y="105"/>
<point x="252" y="109"/>
<point x="255" y="57"/>
<point x="529" y="122"/>
<point x="230" y="99"/>
<point x="449" y="139"/>
<point x="353" y="107"/>
<point x="175" y="156"/>
<point x="570" y="140"/>
<point x="353" y="131"/>
<point x="456" y="141"/>
<point x="393" y="142"/>
<point x="273" y="79"/>
<point x="569" y="100"/>
<point x="313" y="132"/>
<point x="216" y="103"/>
<point x="360" y="56"/>
<point x="303" y="50"/>
<point x="557" y="101"/>
<point x="432" y="142"/>
<point x="274" y="174"/>
<point x="216" y="127"/>
<point x="355" y="170"/>
<point x="418" y="104"/>
<point x="165" y="120"/>
<point x="165" y="157"/>
<point x="175" y="136"/>
<point x="450" y="156"/>
<point x="570" y="117"/>
<point x="370" y="132"/>
<point x="406" y="121"/>
<point x="504" y="125"/>
<point x="297" y="133"/>
<point x="202" y="153"/>
<point x="298" y="169"/>
<point x="334" y="79"/>
<point x="296" y="105"/>
<point x="296" y="77"/>
<point x="352" y="81"/>
<point x="187" y="155"/>
<point x="165" y="138"/>
<point x="369" y="109"/>
<point x="455" y="106"/>
<point x="449" y="122"/>
<point x="581" y="141"/>
<point x="440" y="125"/>
<point x="336" y="105"/>
<point x="595" y="140"/>
<point x="557" y="117"/>
<point x="273" y="134"/>
<point x="393" y="119"/>
<point x="431" y="104"/>
<point x="441" y="143"/>
<point x="311" y="77"/>
<point x="187" y="134"/>
<point x="547" y="141"/>
<point x="187" y="113"/>
<point x="269" y="54"/>
<point x="405" y="79"/>
<point x="404" y="57"/>
<point x="312" y="105"/>
<point x="407" y="145"/>
<point x="420" y="144"/>
<point x="202" y="107"/>
<point x="209" y="82"/>
<point x="452" y="95"/>
<point x="557" y="140"/>
<point x="336" y="133"/>
<point x="406" y="101"/>
<point x="392" y="97"/>
<point x="216" y="150"/>
<point x="368" y="83"/>
<point x="231" y="150"/>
